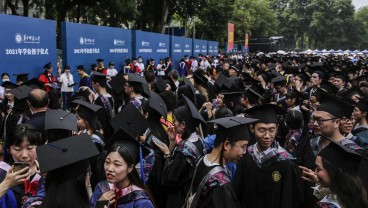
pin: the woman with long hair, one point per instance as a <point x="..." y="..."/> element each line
<point x="122" y="187"/>
<point x="18" y="184"/>
<point x="153" y="110"/>
<point x="338" y="169"/>
<point x="181" y="156"/>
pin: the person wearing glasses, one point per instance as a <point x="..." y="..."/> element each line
<point x="266" y="174"/>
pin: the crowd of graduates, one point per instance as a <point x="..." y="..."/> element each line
<point x="232" y="130"/>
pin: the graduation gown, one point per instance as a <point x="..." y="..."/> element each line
<point x="276" y="184"/>
<point x="178" y="171"/>
<point x="131" y="197"/>
<point x="217" y="191"/>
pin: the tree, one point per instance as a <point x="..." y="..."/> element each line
<point x="254" y="17"/>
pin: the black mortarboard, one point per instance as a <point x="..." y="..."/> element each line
<point x="21" y="92"/>
<point x="188" y="113"/>
<point x="21" y="77"/>
<point x="321" y="74"/>
<point x="335" y="106"/>
<point x="98" y="77"/>
<point x="362" y="105"/>
<point x="328" y="87"/>
<point x="266" y="113"/>
<point x="87" y="105"/>
<point x="160" y="85"/>
<point x="125" y="140"/>
<point x="47" y="66"/>
<point x="279" y="81"/>
<point x="342" y="157"/>
<point x="131" y="119"/>
<point x="221" y="79"/>
<point x="111" y="63"/>
<point x="136" y="78"/>
<point x="254" y="93"/>
<point x="199" y="78"/>
<point x="234" y="68"/>
<point x="232" y="128"/>
<point x="158" y="104"/>
<point x="61" y="153"/>
<point x="99" y="60"/>
<point x="34" y="83"/>
<point x="293" y="93"/>
<point x="189" y="83"/>
<point x="117" y="83"/>
<point x="317" y="64"/>
<point x="193" y="110"/>
<point x="59" y="119"/>
<point x="8" y="85"/>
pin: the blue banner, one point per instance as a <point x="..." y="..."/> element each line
<point x="212" y="48"/>
<point x="151" y="45"/>
<point x="179" y="47"/>
<point x="83" y="44"/>
<point x="199" y="47"/>
<point x="26" y="45"/>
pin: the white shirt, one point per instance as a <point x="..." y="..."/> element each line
<point x="194" y="65"/>
<point x="111" y="72"/>
<point x="2" y="92"/>
<point x="141" y="66"/>
<point x="160" y="71"/>
<point x="204" y="65"/>
<point x="65" y="81"/>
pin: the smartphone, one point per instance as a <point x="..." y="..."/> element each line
<point x="19" y="166"/>
<point x="102" y="204"/>
<point x="157" y="141"/>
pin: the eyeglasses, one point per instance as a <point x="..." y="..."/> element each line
<point x="320" y="121"/>
<point x="244" y="147"/>
<point x="348" y="119"/>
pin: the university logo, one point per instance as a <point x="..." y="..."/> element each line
<point x="118" y="42"/>
<point x="145" y="43"/>
<point x="161" y="44"/>
<point x="177" y="45"/>
<point x="18" y="38"/>
<point x="81" y="40"/>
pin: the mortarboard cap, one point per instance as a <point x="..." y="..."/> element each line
<point x="266" y="113"/>
<point x="335" y="106"/>
<point x="279" y="81"/>
<point x="341" y="75"/>
<point x="362" y="105"/>
<point x="47" y="66"/>
<point x="254" y="93"/>
<point x="8" y="85"/>
<point x="199" y="78"/>
<point x="189" y="83"/>
<point x="136" y="78"/>
<point x="61" y="153"/>
<point x="342" y="157"/>
<point x="328" y="87"/>
<point x="99" y="60"/>
<point x="232" y="128"/>
<point x="111" y="63"/>
<point x="117" y="83"/>
<point x="158" y="104"/>
<point x="59" y="119"/>
<point x="125" y="140"/>
<point x="87" y="105"/>
<point x="21" y="92"/>
<point x="21" y="77"/>
<point x="193" y="110"/>
<point x="131" y="119"/>
<point x="34" y="83"/>
<point x="160" y="85"/>
<point x="98" y="77"/>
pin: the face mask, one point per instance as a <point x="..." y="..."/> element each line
<point x="6" y="80"/>
<point x="140" y="60"/>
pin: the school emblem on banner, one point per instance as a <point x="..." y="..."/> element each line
<point x="276" y="176"/>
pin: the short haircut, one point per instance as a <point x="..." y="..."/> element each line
<point x="38" y="98"/>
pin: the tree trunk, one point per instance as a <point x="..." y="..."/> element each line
<point x="25" y="7"/>
<point x="13" y="7"/>
<point x="165" y="12"/>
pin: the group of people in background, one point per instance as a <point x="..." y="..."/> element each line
<point x="231" y="130"/>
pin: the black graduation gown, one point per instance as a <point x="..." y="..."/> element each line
<point x="275" y="186"/>
<point x="221" y="195"/>
<point x="176" y="178"/>
<point x="104" y="118"/>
